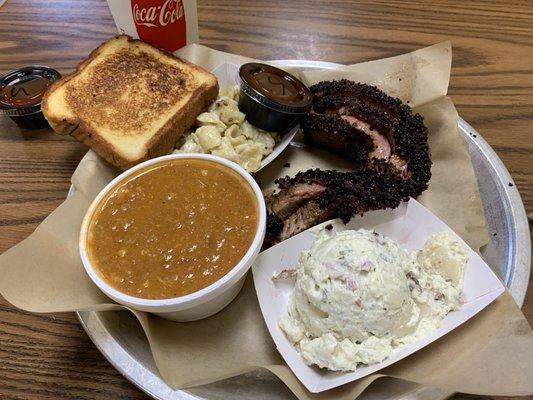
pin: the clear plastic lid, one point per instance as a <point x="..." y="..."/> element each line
<point x="275" y="88"/>
<point x="22" y="90"/>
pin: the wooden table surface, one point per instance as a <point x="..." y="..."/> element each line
<point x="49" y="356"/>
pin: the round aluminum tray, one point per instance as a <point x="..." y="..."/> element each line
<point x="120" y="338"/>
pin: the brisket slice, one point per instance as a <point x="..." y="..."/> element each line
<point x="285" y="202"/>
<point x="382" y="137"/>
<point x="308" y="215"/>
<point x="346" y="194"/>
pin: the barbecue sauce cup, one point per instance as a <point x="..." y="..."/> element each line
<point x="272" y="99"/>
<point x="21" y="92"/>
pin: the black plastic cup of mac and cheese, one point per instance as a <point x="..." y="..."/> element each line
<point x="21" y="92"/>
<point x="272" y="99"/>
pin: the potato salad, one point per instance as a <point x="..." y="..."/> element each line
<point x="359" y="296"/>
<point x="224" y="131"/>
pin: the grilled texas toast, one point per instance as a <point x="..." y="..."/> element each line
<point x="129" y="101"/>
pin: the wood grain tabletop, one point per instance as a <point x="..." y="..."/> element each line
<point x="50" y="356"/>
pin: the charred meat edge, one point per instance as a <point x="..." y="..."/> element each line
<point x="382" y="137"/>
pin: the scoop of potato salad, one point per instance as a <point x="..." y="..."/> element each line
<point x="359" y="295"/>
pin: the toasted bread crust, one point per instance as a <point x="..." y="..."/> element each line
<point x="160" y="143"/>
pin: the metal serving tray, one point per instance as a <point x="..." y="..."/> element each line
<point x="121" y="340"/>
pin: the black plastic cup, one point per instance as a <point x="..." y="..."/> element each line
<point x="272" y="99"/>
<point x="21" y="92"/>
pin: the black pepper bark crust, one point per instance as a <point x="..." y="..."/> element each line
<point x="346" y="118"/>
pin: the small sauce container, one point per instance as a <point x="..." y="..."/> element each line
<point x="21" y="92"/>
<point x="271" y="98"/>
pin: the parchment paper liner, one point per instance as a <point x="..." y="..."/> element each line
<point x="491" y="354"/>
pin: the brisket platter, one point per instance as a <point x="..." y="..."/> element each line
<point x="386" y="142"/>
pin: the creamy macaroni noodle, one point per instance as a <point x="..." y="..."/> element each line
<point x="223" y="131"/>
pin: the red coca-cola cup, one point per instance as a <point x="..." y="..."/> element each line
<point x="168" y="24"/>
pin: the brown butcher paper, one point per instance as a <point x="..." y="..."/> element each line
<point x="492" y="354"/>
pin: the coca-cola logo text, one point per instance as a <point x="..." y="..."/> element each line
<point x="160" y="22"/>
<point x="170" y="12"/>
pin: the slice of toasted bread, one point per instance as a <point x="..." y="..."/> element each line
<point x="129" y="101"/>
